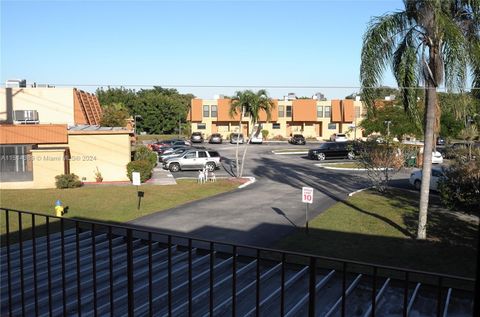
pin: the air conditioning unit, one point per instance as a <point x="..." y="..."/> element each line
<point x="26" y="116"/>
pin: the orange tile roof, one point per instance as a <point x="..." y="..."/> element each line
<point x="87" y="108"/>
<point x="33" y="134"/>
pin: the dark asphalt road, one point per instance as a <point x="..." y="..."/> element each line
<point x="264" y="212"/>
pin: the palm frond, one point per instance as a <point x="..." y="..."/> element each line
<point x="379" y="43"/>
<point x="455" y="53"/>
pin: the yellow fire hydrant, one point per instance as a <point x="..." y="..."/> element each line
<point x="58" y="208"/>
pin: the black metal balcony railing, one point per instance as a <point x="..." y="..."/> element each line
<point x="69" y="267"/>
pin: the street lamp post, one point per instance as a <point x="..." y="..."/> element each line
<point x="135" y="123"/>
<point x="388" y="127"/>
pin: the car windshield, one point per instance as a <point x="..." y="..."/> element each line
<point x="340" y="135"/>
<point x="215" y="135"/>
<point x="235" y="135"/>
<point x="323" y="146"/>
<point x="298" y="136"/>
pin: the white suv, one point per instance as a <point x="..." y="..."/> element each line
<point x="193" y="160"/>
<point x="338" y="137"/>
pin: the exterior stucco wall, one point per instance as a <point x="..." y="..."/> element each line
<point x="109" y="152"/>
<point x="47" y="163"/>
<point x="311" y="127"/>
<point x="54" y="105"/>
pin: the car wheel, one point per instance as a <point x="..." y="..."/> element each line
<point x="174" y="167"/>
<point x="417" y="184"/>
<point x="321" y="156"/>
<point x="210" y="166"/>
<point x="351" y="155"/>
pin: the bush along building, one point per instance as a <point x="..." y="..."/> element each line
<point x="47" y="131"/>
<point x="314" y="118"/>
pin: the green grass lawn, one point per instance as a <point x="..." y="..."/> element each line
<point x="106" y="203"/>
<point x="380" y="229"/>
<point x="344" y="165"/>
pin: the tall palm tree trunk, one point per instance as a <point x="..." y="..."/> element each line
<point x="237" y="167"/>
<point x="431" y="101"/>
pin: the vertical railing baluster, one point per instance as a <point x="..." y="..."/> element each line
<point x="9" y="265"/>
<point x="439" y="297"/>
<point x="190" y="278"/>
<point x="150" y="276"/>
<point x="212" y="278"/>
<point x="64" y="286"/>
<point x="94" y="269"/>
<point x="77" y="258"/>
<point x="169" y="269"/>
<point x="20" y="245"/>
<point x="374" y="290"/>
<point x="257" y="278"/>
<point x="311" y="288"/>
<point x="34" y="258"/>
<point x="110" y="262"/>
<point x="344" y="287"/>
<point x="49" y="269"/>
<point x="282" y="287"/>
<point x="405" y="295"/>
<point x="130" y="272"/>
<point x="234" y="282"/>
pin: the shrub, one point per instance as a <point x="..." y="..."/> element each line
<point x="279" y="138"/>
<point x="264" y="134"/>
<point x="144" y="167"/>
<point x="67" y="181"/>
<point x="460" y="189"/>
<point x="145" y="154"/>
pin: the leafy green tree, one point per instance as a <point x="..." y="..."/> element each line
<point x="109" y="96"/>
<point x="249" y="104"/>
<point x="401" y="123"/>
<point x="114" y="115"/>
<point x="430" y="42"/>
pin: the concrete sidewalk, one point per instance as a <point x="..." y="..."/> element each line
<point x="161" y="177"/>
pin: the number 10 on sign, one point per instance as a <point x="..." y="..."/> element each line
<point x="307" y="198"/>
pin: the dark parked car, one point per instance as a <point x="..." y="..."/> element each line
<point x="333" y="150"/>
<point x="196" y="137"/>
<point x="215" y="138"/>
<point x="234" y="137"/>
<point x="440" y="140"/>
<point x="297" y="139"/>
<point x="161" y="147"/>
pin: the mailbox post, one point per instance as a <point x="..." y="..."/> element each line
<point x="136" y="182"/>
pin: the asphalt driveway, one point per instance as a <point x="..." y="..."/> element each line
<point x="265" y="211"/>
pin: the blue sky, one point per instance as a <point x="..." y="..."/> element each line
<point x="286" y="43"/>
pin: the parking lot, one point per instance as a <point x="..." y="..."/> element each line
<point x="267" y="210"/>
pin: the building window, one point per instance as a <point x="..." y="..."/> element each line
<point x="206" y="111"/>
<point x="275" y="125"/>
<point x="332" y="126"/>
<point x="327" y="112"/>
<point x="16" y="163"/>
<point x="357" y="112"/>
<point x="319" y="111"/>
<point x="201" y="126"/>
<point x="289" y="111"/>
<point x="281" y="111"/>
<point x="214" y="111"/>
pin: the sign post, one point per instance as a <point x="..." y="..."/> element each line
<point x="136" y="182"/>
<point x="307" y="198"/>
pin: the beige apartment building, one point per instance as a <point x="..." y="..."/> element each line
<point x="47" y="131"/>
<point x="312" y="118"/>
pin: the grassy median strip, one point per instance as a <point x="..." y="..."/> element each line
<point x="115" y="204"/>
<point x="381" y="229"/>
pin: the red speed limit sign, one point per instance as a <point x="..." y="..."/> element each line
<point x="307" y="195"/>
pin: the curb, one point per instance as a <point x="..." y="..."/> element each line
<point x="358" y="191"/>
<point x="288" y="153"/>
<point x="250" y="181"/>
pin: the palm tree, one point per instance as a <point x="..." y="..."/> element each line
<point x="249" y="104"/>
<point x="431" y="42"/>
